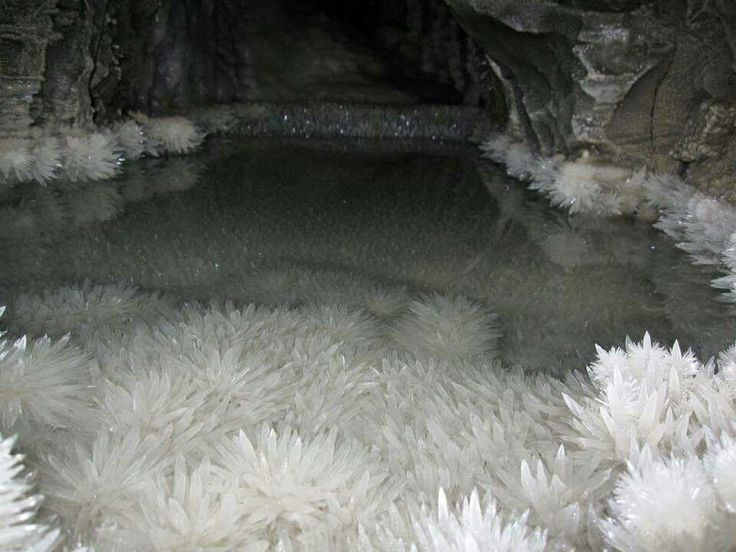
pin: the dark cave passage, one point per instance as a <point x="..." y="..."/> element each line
<point x="424" y="47"/>
<point x="195" y="52"/>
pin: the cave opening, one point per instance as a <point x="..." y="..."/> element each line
<point x="196" y="53"/>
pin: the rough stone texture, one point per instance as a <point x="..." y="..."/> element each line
<point x="75" y="62"/>
<point x="156" y="56"/>
<point x="175" y="53"/>
<point x="708" y="147"/>
<point x="47" y="64"/>
<point x="635" y="82"/>
<point x="426" y="46"/>
<point x="708" y="132"/>
<point x="25" y="30"/>
<point x="92" y="60"/>
<point x="69" y="65"/>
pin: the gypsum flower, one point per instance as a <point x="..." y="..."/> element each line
<point x="286" y="485"/>
<point x="173" y="135"/>
<point x="721" y="465"/>
<point x="243" y="389"/>
<point x="342" y="325"/>
<point x="448" y="327"/>
<point x="160" y="403"/>
<point x="90" y="308"/>
<point x="469" y="527"/>
<point x="18" y="532"/>
<point x="708" y="228"/>
<point x="43" y="382"/>
<point x="92" y="486"/>
<point x="193" y="509"/>
<point x="91" y="157"/>
<point x="386" y="302"/>
<point x="130" y="137"/>
<point x="647" y="395"/>
<point x="332" y="394"/>
<point x="662" y="505"/>
<point x="24" y="159"/>
<point x="558" y="494"/>
<point x="576" y="188"/>
<point x="16" y="159"/>
<point x="46" y="159"/>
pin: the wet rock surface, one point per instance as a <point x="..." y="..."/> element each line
<point x="74" y="62"/>
<point x="25" y="30"/>
<point x="637" y="83"/>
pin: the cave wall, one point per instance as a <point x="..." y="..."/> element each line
<point x="78" y="62"/>
<point x="635" y="83"/>
<point x="75" y="62"/>
<point x="25" y="31"/>
<point x="160" y="56"/>
<point x="174" y="54"/>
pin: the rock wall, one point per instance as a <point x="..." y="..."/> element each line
<point x="164" y="55"/>
<point x="176" y="53"/>
<point x="76" y="62"/>
<point x="25" y="31"/>
<point x="635" y="83"/>
<point x="65" y="93"/>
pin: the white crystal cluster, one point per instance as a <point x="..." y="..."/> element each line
<point x="18" y="529"/>
<point x="328" y="427"/>
<point x="702" y="226"/>
<point x="79" y="156"/>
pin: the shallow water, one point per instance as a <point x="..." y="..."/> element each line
<point x="276" y="221"/>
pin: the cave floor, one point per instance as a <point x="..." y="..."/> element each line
<point x="297" y="222"/>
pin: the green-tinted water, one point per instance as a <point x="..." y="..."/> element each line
<point x="291" y="222"/>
